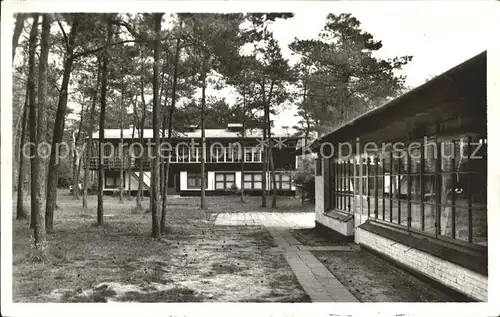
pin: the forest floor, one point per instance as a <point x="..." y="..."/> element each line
<point x="119" y="261"/>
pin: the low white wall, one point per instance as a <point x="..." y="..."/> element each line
<point x="454" y="276"/>
<point x="343" y="227"/>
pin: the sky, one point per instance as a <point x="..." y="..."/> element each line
<point x="438" y="38"/>
<point x="439" y="35"/>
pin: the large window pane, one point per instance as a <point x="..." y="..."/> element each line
<point x="429" y="218"/>
<point x="416" y="221"/>
<point x="219" y="185"/>
<point x="414" y="185"/>
<point x="479" y="225"/>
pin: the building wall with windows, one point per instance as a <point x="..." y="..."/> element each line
<point x="223" y="181"/>
<point x="226" y="152"/>
<point x="419" y="181"/>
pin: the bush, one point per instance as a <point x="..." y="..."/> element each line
<point x="305" y="182"/>
<point x="234" y="190"/>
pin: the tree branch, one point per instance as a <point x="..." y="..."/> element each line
<point x="100" y="48"/>
<point x="64" y="33"/>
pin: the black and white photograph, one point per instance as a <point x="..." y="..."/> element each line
<point x="313" y="154"/>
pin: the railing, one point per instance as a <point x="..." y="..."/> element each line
<point x="218" y="155"/>
<point x="109" y="163"/>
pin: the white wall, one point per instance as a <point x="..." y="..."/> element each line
<point x="183" y="180"/>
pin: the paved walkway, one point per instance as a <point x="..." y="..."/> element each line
<point x="289" y="220"/>
<point x="315" y="278"/>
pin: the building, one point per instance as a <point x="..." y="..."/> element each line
<point x="416" y="191"/>
<point x="226" y="148"/>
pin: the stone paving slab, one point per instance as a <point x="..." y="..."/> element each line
<point x="289" y="220"/>
<point x="306" y="278"/>
<point x="335" y="289"/>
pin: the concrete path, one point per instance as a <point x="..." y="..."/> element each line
<point x="289" y="220"/>
<point x="315" y="278"/>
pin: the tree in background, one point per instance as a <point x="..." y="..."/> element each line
<point x="214" y="41"/>
<point x="341" y="77"/>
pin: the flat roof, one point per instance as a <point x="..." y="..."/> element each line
<point x="196" y="134"/>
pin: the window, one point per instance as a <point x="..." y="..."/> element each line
<point x="194" y="154"/>
<point x="194" y="180"/>
<point x="252" y="181"/>
<point x="248" y="154"/>
<point x="437" y="188"/>
<point x="216" y="153"/>
<point x="228" y="154"/>
<point x="236" y="148"/>
<point x="253" y="154"/>
<point x="182" y="153"/>
<point x="112" y="179"/>
<point x="283" y="181"/>
<point x="224" y="180"/>
<point x="342" y="184"/>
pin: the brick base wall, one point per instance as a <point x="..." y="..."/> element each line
<point x="449" y="274"/>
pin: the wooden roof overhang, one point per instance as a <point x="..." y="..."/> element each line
<point x="457" y="97"/>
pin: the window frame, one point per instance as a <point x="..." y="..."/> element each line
<point x="225" y="181"/>
<point x="197" y="177"/>
<point x="253" y="181"/>
<point x="411" y="201"/>
<point x="280" y="181"/>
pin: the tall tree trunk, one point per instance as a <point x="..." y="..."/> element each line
<point x="40" y="168"/>
<point x="129" y="152"/>
<point x="271" y="161"/>
<point x="155" y="232"/>
<point x="163" y="220"/>
<point x="164" y="172"/>
<point x="89" y="142"/>
<point x="264" y="150"/>
<point x="243" y="134"/>
<point x="104" y="84"/>
<point x="59" y="128"/>
<point x="77" y="158"/>
<point x="163" y="115"/>
<point x="203" y="142"/>
<point x="18" y="29"/>
<point x="20" y="214"/>
<point x="33" y="118"/>
<point x="140" y="191"/>
<point x="122" y="161"/>
<point x="73" y="166"/>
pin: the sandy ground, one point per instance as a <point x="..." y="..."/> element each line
<point x="119" y="261"/>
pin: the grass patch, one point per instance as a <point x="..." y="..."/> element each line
<point x="119" y="261"/>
